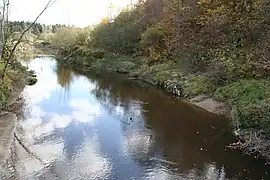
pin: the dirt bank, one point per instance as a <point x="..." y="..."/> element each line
<point x="210" y="105"/>
<point x="8" y="119"/>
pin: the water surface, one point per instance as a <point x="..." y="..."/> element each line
<point x="106" y="126"/>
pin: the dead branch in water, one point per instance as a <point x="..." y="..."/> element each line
<point x="28" y="150"/>
<point x="254" y="142"/>
<point x="34" y="155"/>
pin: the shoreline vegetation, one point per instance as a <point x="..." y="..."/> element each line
<point x="196" y="50"/>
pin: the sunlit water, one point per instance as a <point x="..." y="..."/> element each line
<point x="108" y="127"/>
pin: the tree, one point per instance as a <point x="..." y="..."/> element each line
<point x="3" y="15"/>
<point x="19" y="40"/>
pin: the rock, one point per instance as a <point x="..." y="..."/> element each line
<point x="31" y="81"/>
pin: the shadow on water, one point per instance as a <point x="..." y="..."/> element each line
<point x="185" y="136"/>
<point x="130" y="130"/>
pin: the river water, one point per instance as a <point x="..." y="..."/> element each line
<point x="105" y="126"/>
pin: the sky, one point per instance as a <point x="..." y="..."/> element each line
<point x="80" y="13"/>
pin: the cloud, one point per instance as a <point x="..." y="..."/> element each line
<point x="43" y="129"/>
<point x="90" y="163"/>
<point x="85" y="106"/>
<point x="46" y="83"/>
<point x="83" y="117"/>
<point x="137" y="143"/>
<point x="79" y="12"/>
<point x="83" y="111"/>
<point x="61" y="121"/>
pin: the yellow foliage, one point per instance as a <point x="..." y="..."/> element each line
<point x="105" y="21"/>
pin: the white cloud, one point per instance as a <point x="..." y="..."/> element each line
<point x="61" y="121"/>
<point x="43" y="129"/>
<point x="49" y="151"/>
<point x="90" y="163"/>
<point x="81" y="116"/>
<point x="31" y="123"/>
<point x="138" y="143"/>
<point x="37" y="112"/>
<point x="83" y="111"/>
<point x="46" y="83"/>
<point x="84" y="107"/>
<point x="79" y="12"/>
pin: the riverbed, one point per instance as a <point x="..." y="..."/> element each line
<point x="106" y="126"/>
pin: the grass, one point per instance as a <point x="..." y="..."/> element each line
<point x="198" y="84"/>
<point x="6" y="86"/>
<point x="250" y="103"/>
<point x="116" y="63"/>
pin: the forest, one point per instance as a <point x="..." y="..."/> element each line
<point x="37" y="28"/>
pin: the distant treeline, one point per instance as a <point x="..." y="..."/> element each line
<point x="38" y="28"/>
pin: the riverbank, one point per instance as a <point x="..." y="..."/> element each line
<point x="246" y="101"/>
<point x="198" y="89"/>
<point x="11" y="88"/>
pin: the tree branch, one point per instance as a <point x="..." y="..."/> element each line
<point x="49" y="4"/>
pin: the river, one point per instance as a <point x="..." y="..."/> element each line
<point x="105" y="126"/>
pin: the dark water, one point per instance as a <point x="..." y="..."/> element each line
<point x="108" y="127"/>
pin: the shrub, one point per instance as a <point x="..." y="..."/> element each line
<point x="197" y="84"/>
<point x="253" y="115"/>
<point x="5" y="90"/>
<point x="250" y="102"/>
<point x="117" y="63"/>
<point x="244" y="91"/>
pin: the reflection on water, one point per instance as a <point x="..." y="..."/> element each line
<point x="113" y="128"/>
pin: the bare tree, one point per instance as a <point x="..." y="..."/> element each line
<point x="9" y="58"/>
<point x="2" y="24"/>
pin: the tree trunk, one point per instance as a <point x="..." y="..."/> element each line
<point x="2" y="31"/>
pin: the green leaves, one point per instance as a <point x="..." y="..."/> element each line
<point x="250" y="102"/>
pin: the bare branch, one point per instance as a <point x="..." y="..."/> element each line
<point x="49" y="4"/>
<point x="2" y="37"/>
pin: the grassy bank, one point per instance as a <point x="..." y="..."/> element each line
<point x="14" y="80"/>
<point x="166" y="75"/>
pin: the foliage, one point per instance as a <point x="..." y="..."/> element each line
<point x="250" y="102"/>
<point x="116" y="63"/>
<point x="244" y="91"/>
<point x="37" y="29"/>
<point x="153" y="39"/>
<point x="198" y="84"/>
<point x="6" y="85"/>
<point x="256" y="116"/>
<point x="68" y="37"/>
<point x="187" y="47"/>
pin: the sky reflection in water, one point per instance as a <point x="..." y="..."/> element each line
<point x="82" y="127"/>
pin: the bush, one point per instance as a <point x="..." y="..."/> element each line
<point x="250" y="102"/>
<point x="67" y="38"/>
<point x="5" y="89"/>
<point x="152" y="36"/>
<point x="197" y="84"/>
<point x="244" y="91"/>
<point x="253" y="115"/>
<point x="117" y="63"/>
